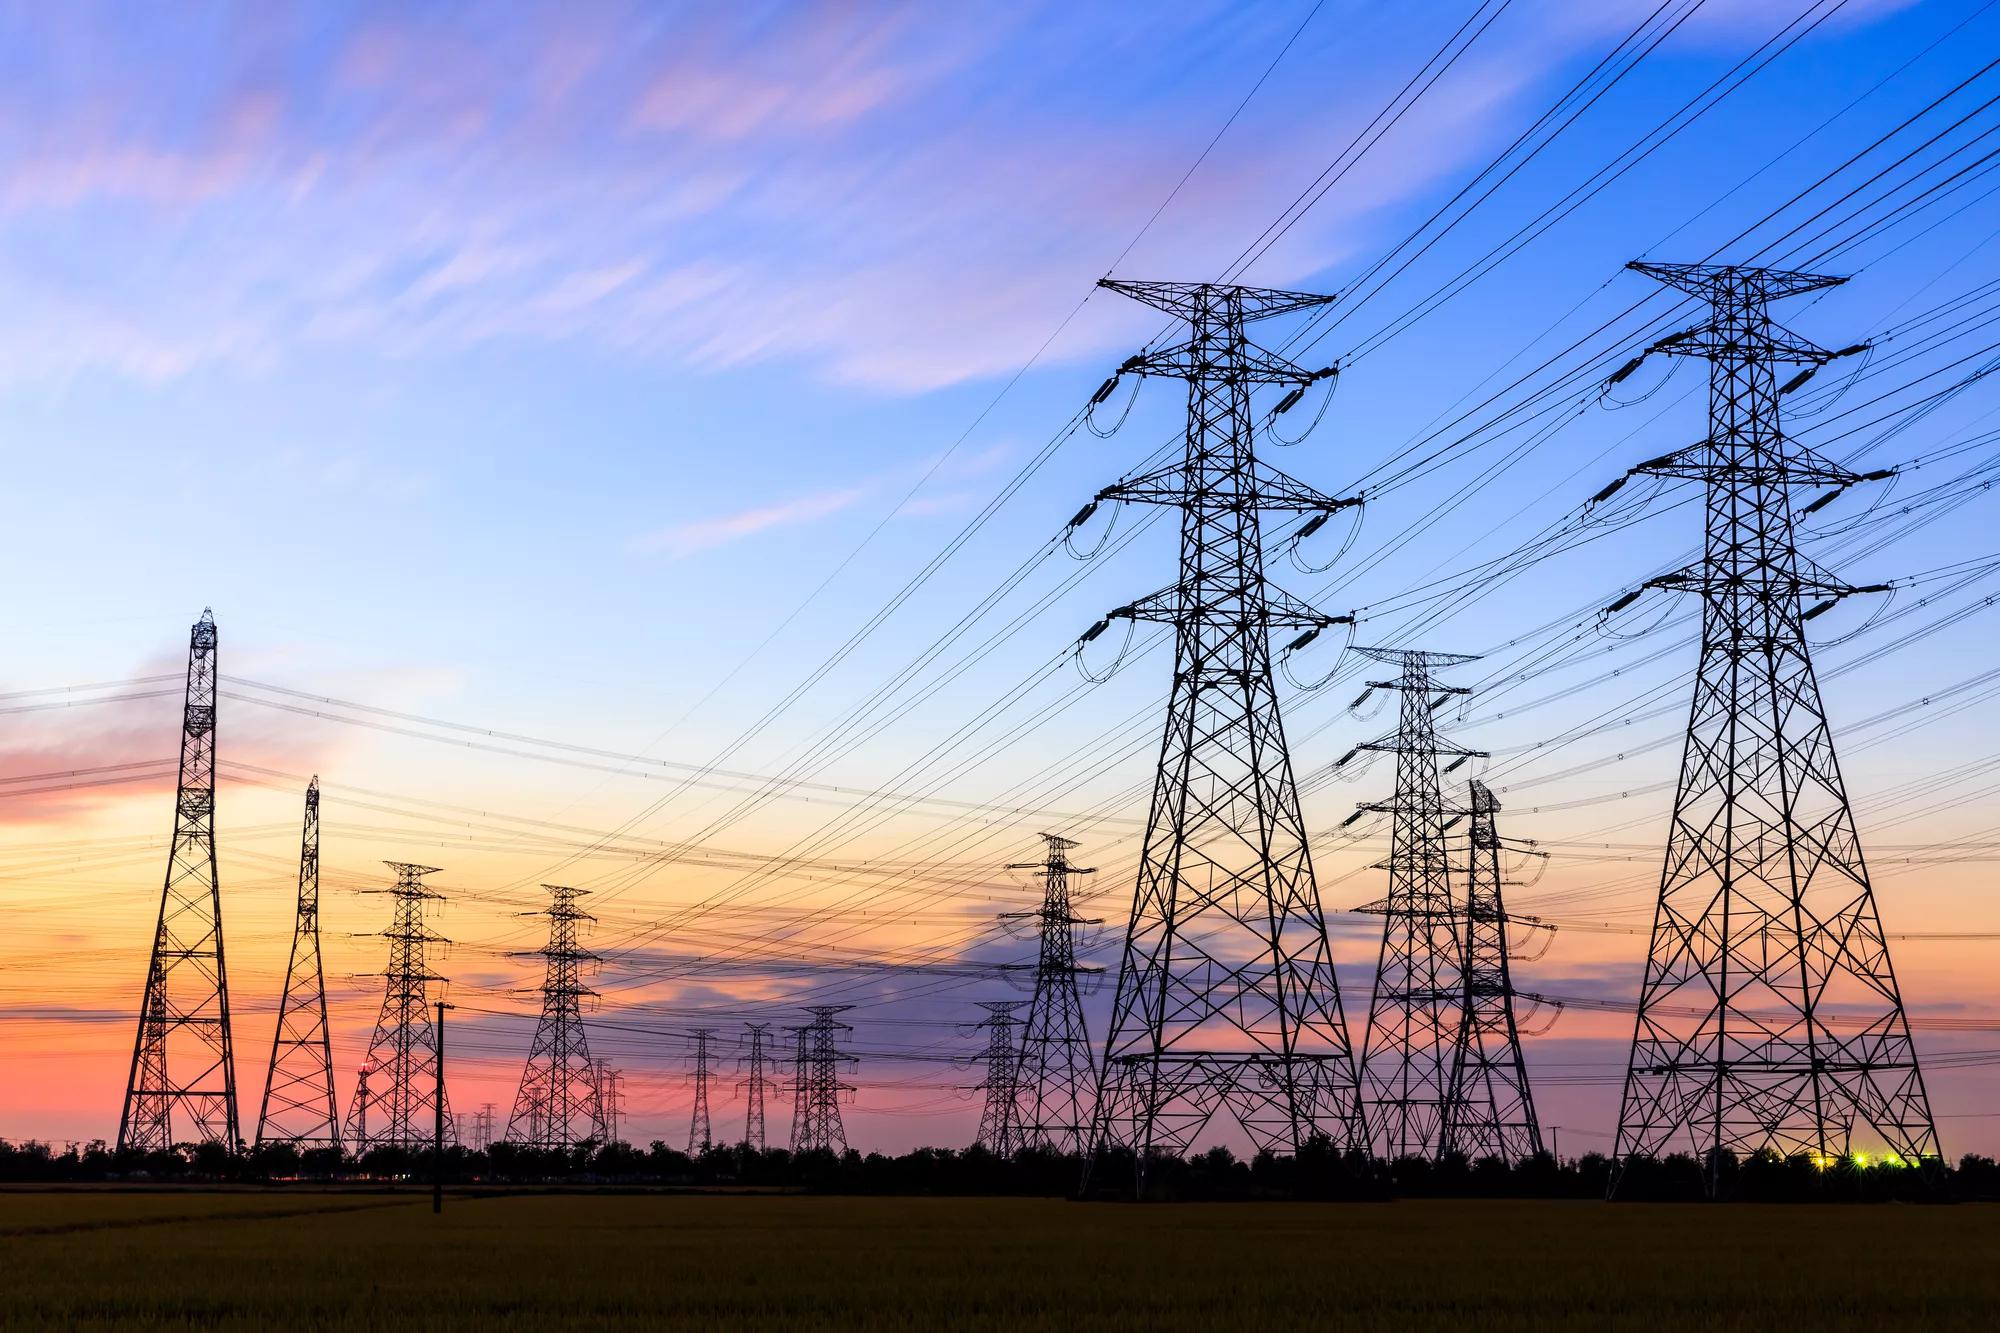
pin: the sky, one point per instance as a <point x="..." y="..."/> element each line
<point x="626" y="445"/>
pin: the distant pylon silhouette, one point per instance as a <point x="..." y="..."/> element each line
<point x="1000" y="1118"/>
<point x="298" y="1106"/>
<point x="557" y="1106"/>
<point x="182" y="1058"/>
<point x="1226" y="994"/>
<point x="1769" y="1016"/>
<point x="701" y="1135"/>
<point x="1056" y="1070"/>
<point x="820" y="1128"/>
<point x="610" y="1085"/>
<point x="755" y="1087"/>
<point x="396" y="1100"/>
<point x="1490" y="1111"/>
<point x="801" y="1082"/>
<point x="1414" y="1017"/>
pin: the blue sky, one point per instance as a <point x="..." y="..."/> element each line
<point x="530" y="370"/>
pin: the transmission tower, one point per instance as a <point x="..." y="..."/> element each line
<point x="482" y="1127"/>
<point x="1770" y="1015"/>
<point x="801" y="1080"/>
<point x="1000" y="1119"/>
<point x="1489" y="1111"/>
<point x="557" y="1105"/>
<point x="818" y="1125"/>
<point x="1226" y="993"/>
<point x="755" y="1087"/>
<point x="403" y="1051"/>
<point x="700" y="1136"/>
<point x="1056" y="1070"/>
<point x="298" y="1106"/>
<point x="182" y="1057"/>
<point x="1414" y="1016"/>
<point x="610" y="1085"/>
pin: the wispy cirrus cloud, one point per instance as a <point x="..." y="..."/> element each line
<point x="897" y="196"/>
<point x="684" y="539"/>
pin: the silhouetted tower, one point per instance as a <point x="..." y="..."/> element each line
<point x="1056" y="1072"/>
<point x="819" y="1116"/>
<point x="755" y="1087"/>
<point x="610" y="1084"/>
<point x="701" y="1136"/>
<point x="1226" y="993"/>
<point x="182" y="1058"/>
<point x="1489" y="1112"/>
<point x="1414" y="1017"/>
<point x="482" y="1126"/>
<point x="298" y="1105"/>
<point x="1000" y="1118"/>
<point x="396" y="1105"/>
<point x="1770" y="1015"/>
<point x="557" y="1105"/>
<point x="801" y="1082"/>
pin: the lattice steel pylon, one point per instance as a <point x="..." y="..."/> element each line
<point x="1226" y="993"/>
<point x="1056" y="1073"/>
<point x="1000" y="1117"/>
<point x="610" y="1085"/>
<point x="1489" y="1110"/>
<point x="396" y="1101"/>
<point x="298" y="1106"/>
<point x="182" y="1057"/>
<point x="800" y="1081"/>
<point x="755" y="1087"/>
<point x="557" y="1106"/>
<point x="701" y="1135"/>
<point x="817" y="1126"/>
<point x="1770" y="1016"/>
<point x="1414" y="1015"/>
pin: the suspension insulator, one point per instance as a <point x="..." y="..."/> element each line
<point x="1083" y="515"/>
<point x="1347" y="822"/>
<point x="1095" y="630"/>
<point x="1362" y="697"/>
<point x="1104" y="391"/>
<point x="1796" y="380"/>
<point x="1852" y="351"/>
<point x="1821" y="503"/>
<point x="1347" y="758"/>
<point x="1624" y="601"/>
<point x="1624" y="372"/>
<point x="1311" y="525"/>
<point x="1303" y="640"/>
<point x="1288" y="402"/>
<point x="1609" y="491"/>
<point x="1821" y="609"/>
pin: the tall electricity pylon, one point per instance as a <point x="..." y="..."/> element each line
<point x="1226" y="993"/>
<point x="1000" y="1118"/>
<point x="701" y="1136"/>
<point x="801" y="1081"/>
<point x="182" y="1058"/>
<point x="298" y="1106"/>
<point x="818" y="1125"/>
<point x="1056" y="1071"/>
<point x="610" y="1085"/>
<point x="1770" y="1015"/>
<point x="557" y="1106"/>
<point x="395" y="1104"/>
<point x="755" y="1087"/>
<point x="1414" y="1017"/>
<point x="1489" y="1111"/>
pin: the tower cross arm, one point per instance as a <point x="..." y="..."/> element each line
<point x="1195" y="360"/>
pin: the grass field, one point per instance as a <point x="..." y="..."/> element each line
<point x="305" y="1261"/>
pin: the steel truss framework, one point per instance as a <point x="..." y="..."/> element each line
<point x="1000" y="1117"/>
<point x="1489" y="1110"/>
<point x="1770" y="1015"/>
<point x="755" y="1087"/>
<point x="1414" y="1017"/>
<point x="395" y="1101"/>
<point x="816" y="1126"/>
<point x="183" y="1060"/>
<point x="1226" y="995"/>
<point x="1057" y="1071"/>
<point x="701" y="1134"/>
<point x="559" y="1104"/>
<point x="298" y="1106"/>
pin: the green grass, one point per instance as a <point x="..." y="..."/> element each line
<point x="339" y="1261"/>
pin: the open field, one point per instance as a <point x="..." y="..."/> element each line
<point x="336" y="1261"/>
